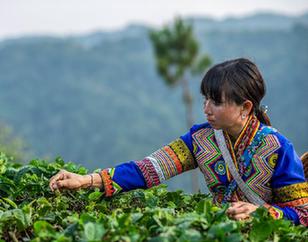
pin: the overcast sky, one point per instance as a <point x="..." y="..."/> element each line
<point x="21" y="17"/>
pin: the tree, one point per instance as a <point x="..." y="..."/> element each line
<point x="176" y="52"/>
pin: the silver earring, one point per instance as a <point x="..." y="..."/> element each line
<point x="243" y="116"/>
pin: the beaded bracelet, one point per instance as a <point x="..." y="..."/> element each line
<point x="91" y="175"/>
<point x="102" y="189"/>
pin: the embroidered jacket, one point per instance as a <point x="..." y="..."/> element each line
<point x="265" y="159"/>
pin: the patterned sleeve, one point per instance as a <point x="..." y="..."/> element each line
<point x="290" y="189"/>
<point x="170" y="160"/>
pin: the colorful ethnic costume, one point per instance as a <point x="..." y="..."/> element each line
<point x="265" y="160"/>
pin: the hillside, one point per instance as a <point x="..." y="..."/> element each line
<point x="96" y="99"/>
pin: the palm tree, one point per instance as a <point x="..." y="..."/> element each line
<point x="176" y="53"/>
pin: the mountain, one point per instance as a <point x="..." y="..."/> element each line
<point x="96" y="98"/>
<point x="260" y="21"/>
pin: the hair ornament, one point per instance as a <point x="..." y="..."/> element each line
<point x="264" y="108"/>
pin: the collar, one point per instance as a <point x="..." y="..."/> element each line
<point x="245" y="137"/>
<point x="243" y="141"/>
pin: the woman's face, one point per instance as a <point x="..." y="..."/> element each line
<point x="226" y="116"/>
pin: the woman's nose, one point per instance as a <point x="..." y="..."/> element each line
<point x="207" y="107"/>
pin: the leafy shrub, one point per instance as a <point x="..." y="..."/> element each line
<point x="29" y="211"/>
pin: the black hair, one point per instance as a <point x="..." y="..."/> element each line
<point x="236" y="81"/>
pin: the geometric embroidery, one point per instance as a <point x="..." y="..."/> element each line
<point x="258" y="173"/>
<point x="302" y="212"/>
<point x="220" y="168"/>
<point x="262" y="170"/>
<point x="184" y="155"/>
<point x="301" y="202"/>
<point x="169" y="161"/>
<point x="165" y="161"/>
<point x="149" y="172"/>
<point x="274" y="212"/>
<point x="243" y="150"/>
<point x="207" y="155"/>
<point x="272" y="160"/>
<point x="291" y="192"/>
<point x="248" y="170"/>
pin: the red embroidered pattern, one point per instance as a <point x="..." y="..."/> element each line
<point x="274" y="212"/>
<point x="169" y="161"/>
<point x="174" y="158"/>
<point x="302" y="213"/>
<point x="107" y="183"/>
<point x="297" y="202"/>
<point x="149" y="173"/>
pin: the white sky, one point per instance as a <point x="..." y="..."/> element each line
<point x="22" y="17"/>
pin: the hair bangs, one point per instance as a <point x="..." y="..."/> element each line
<point x="212" y="85"/>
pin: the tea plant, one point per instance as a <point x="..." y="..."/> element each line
<point x="29" y="211"/>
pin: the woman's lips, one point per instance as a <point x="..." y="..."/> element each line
<point x="210" y="120"/>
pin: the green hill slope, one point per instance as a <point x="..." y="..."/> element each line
<point x="97" y="100"/>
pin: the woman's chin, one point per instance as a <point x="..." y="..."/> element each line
<point x="214" y="126"/>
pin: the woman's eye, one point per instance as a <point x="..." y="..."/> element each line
<point x="207" y="99"/>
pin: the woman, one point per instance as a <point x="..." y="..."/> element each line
<point x="236" y="142"/>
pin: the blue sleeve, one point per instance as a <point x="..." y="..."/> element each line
<point x="290" y="189"/>
<point x="289" y="168"/>
<point x="166" y="162"/>
<point x="289" y="213"/>
<point x="188" y="141"/>
<point x="123" y="177"/>
<point x="128" y="176"/>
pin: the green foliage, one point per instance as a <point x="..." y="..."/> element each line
<point x="176" y="50"/>
<point x="3" y="162"/>
<point x="31" y="212"/>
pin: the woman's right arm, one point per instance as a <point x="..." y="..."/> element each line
<point x="168" y="161"/>
<point x="68" y="180"/>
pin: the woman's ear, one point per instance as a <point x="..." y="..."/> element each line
<point x="247" y="107"/>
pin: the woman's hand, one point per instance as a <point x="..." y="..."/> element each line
<point x="68" y="180"/>
<point x="240" y="210"/>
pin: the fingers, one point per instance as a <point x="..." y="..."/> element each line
<point x="63" y="184"/>
<point x="59" y="176"/>
<point x="53" y="179"/>
<point x="240" y="210"/>
<point x="236" y="207"/>
<point x="242" y="216"/>
<point x="65" y="180"/>
<point x="237" y="204"/>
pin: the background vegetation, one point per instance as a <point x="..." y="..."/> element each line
<point x="96" y="99"/>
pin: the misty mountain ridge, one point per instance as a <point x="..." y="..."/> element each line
<point x="254" y="22"/>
